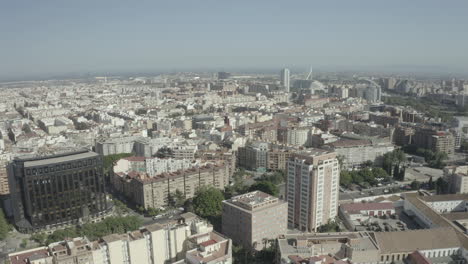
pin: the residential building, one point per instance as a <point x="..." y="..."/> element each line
<point x="356" y="153"/>
<point x="299" y="136"/>
<point x="253" y="156"/>
<point x="254" y="218"/>
<point x="185" y="240"/>
<point x="312" y="189"/>
<point x="434" y="140"/>
<point x="52" y="191"/>
<point x="277" y="159"/>
<point x="154" y="191"/>
<point x="457" y="178"/>
<point x="116" y="145"/>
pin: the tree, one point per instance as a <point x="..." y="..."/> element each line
<point x="24" y="243"/>
<point x="438" y="160"/>
<point x="367" y="176"/>
<point x="208" y="202"/>
<point x="415" y="185"/>
<point x="4" y="227"/>
<point x="368" y="164"/>
<point x="380" y="173"/>
<point x="330" y="226"/>
<point x="464" y="145"/>
<point x="153" y="211"/>
<point x="441" y="186"/>
<point x="357" y="177"/>
<point x="176" y="199"/>
<point x="266" y="187"/>
<point x="39" y="238"/>
<point x="345" y="178"/>
<point x="431" y="184"/>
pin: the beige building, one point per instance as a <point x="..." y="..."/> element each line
<point x="369" y="247"/>
<point x="253" y="218"/>
<point x="312" y="188"/>
<point x="187" y="240"/>
<point x="277" y="159"/>
<point x="4" y="187"/>
<point x="309" y="248"/>
<point x="457" y="178"/>
<point x="154" y="192"/>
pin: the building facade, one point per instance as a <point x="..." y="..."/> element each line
<point x="186" y="240"/>
<point x="312" y="189"/>
<point x="254" y="218"/>
<point x="56" y="190"/>
<point x="284" y="76"/>
<point x="155" y="192"/>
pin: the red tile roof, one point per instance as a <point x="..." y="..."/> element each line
<point x="208" y="243"/>
<point x="22" y="258"/>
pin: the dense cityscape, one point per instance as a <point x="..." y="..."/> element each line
<point x="234" y="132"/>
<point x="234" y="168"/>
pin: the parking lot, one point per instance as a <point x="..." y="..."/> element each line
<point x="422" y="174"/>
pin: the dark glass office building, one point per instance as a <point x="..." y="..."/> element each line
<point x="52" y="191"/>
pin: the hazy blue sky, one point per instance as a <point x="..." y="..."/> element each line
<point x="55" y="37"/>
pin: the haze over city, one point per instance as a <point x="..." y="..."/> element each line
<point x="234" y="132"/>
<point x="54" y="38"/>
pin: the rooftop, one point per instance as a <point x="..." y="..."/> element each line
<point x="253" y="200"/>
<point x="445" y="197"/>
<point x="58" y="158"/>
<point x="357" y="207"/>
<point x="409" y="241"/>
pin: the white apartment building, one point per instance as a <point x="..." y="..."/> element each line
<point x="187" y="240"/>
<point x="156" y="166"/>
<point x="299" y="136"/>
<point x="312" y="189"/>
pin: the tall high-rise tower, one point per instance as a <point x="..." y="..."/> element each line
<point x="312" y="188"/>
<point x="285" y="79"/>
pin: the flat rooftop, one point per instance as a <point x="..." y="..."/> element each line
<point x="58" y="158"/>
<point x="253" y="200"/>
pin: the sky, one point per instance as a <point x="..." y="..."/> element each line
<point x="48" y="38"/>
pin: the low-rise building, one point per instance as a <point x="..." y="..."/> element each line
<point x="362" y="211"/>
<point x="186" y="240"/>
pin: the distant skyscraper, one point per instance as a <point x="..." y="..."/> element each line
<point x="312" y="187"/>
<point x="56" y="190"/>
<point x="223" y="75"/>
<point x="285" y="79"/>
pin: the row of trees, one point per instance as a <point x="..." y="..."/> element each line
<point x="434" y="159"/>
<point x="364" y="177"/>
<point x="242" y="255"/>
<point x="93" y="231"/>
<point x="267" y="183"/>
<point x="440" y="185"/>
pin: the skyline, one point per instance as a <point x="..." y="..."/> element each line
<point x="51" y="38"/>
